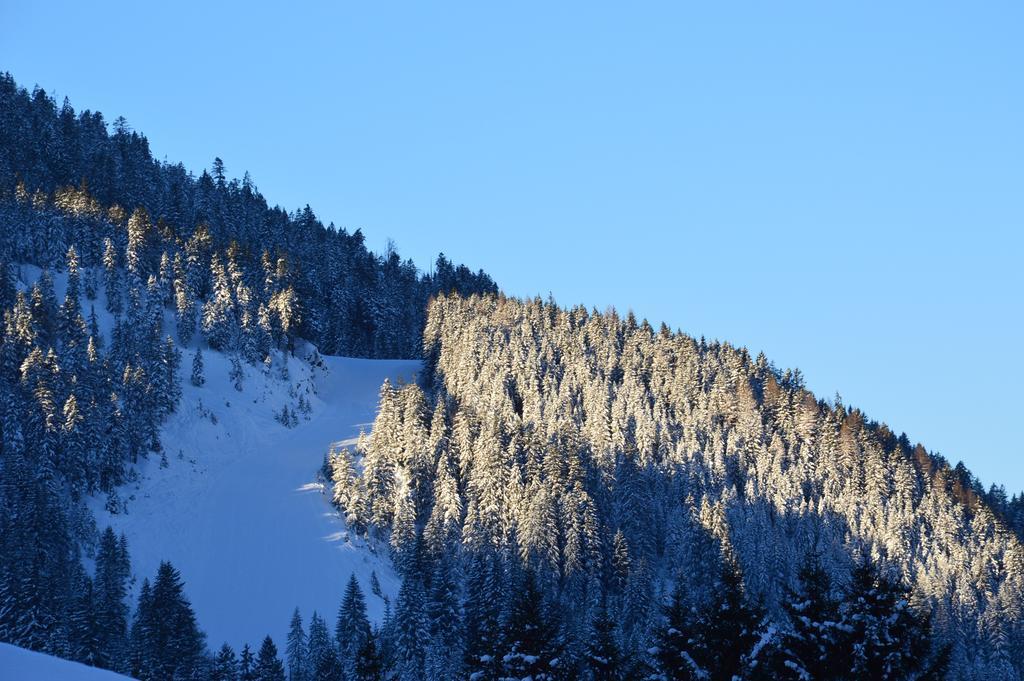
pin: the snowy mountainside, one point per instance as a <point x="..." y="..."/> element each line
<point x="238" y="508"/>
<point x="234" y="501"/>
<point x="26" y="665"/>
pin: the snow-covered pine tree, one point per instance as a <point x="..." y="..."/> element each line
<point x="112" y="277"/>
<point x="603" y="659"/>
<point x="532" y="645"/>
<point x="225" y="665"/>
<point x="353" y="626"/>
<point x="813" y="648"/>
<point x="197" y="379"/>
<point x="237" y="374"/>
<point x="412" y="629"/>
<point x="885" y="637"/>
<point x="444" y="654"/>
<point x="268" y="665"/>
<point x="166" y="640"/>
<point x="348" y="491"/>
<point x="297" y="650"/>
<point x="113" y="571"/>
<point x="323" y="661"/>
<point x="246" y="664"/>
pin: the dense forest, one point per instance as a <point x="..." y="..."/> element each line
<point x="148" y="259"/>
<point x="638" y="482"/>
<point x="72" y="182"/>
<point x="565" y="494"/>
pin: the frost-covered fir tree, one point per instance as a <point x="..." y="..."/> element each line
<point x="246" y="664"/>
<point x="225" y="665"/>
<point x="322" y="660"/>
<point x="814" y="646"/>
<point x="297" y="651"/>
<point x="166" y="642"/>
<point x="412" y="630"/>
<point x="353" y="626"/>
<point x="268" y="665"/>
<point x="886" y="639"/>
<point x="198" y="379"/>
<point x="236" y="374"/>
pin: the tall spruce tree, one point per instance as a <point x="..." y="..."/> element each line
<point x="813" y="648"/>
<point x="532" y="646"/>
<point x="353" y="626"/>
<point x="166" y="640"/>
<point x="886" y="638"/>
<point x="197" y="379"/>
<point x="225" y="665"/>
<point x="268" y="665"/>
<point x="297" y="651"/>
<point x="113" y="571"/>
<point x="413" y="630"/>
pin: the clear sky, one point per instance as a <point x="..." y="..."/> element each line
<point x="840" y="185"/>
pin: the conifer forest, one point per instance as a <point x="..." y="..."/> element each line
<point x="539" y="492"/>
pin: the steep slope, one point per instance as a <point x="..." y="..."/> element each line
<point x="238" y="508"/>
<point x="18" y="664"/>
<point x="234" y="500"/>
<point x="615" y="462"/>
<point x="353" y="302"/>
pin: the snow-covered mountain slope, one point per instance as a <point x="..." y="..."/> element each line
<point x="238" y="508"/>
<point x="18" y="664"/>
<point x="234" y="502"/>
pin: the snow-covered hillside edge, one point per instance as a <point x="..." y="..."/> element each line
<point x="235" y="500"/>
<point x="239" y="508"/>
<point x="26" y="665"/>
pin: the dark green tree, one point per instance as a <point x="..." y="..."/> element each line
<point x="268" y="665"/>
<point x="886" y="638"/>
<point x="225" y="665"/>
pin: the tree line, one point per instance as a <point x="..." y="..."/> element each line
<point x="55" y="162"/>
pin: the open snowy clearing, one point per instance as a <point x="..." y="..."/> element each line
<point x="235" y="502"/>
<point x="238" y="508"/>
<point x="236" y="505"/>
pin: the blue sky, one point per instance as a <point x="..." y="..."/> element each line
<point x="840" y="185"/>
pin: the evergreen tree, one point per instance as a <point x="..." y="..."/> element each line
<point x="84" y="628"/>
<point x="111" y="589"/>
<point x="166" y="643"/>
<point x="353" y="626"/>
<point x="348" y="493"/>
<point x="413" y="630"/>
<point x="368" y="665"/>
<point x="143" y="632"/>
<point x="219" y="311"/>
<point x="268" y="665"/>
<point x="112" y="278"/>
<point x="297" y="650"/>
<point x="444" y="655"/>
<point x="198" y="379"/>
<point x="813" y="648"/>
<point x="246" y="665"/>
<point x="236" y="374"/>
<point x="886" y="638"/>
<point x="322" y="660"/>
<point x="481" y="621"/>
<point x="532" y="645"/>
<point x="715" y="641"/>
<point x="604" y="659"/>
<point x="225" y="665"/>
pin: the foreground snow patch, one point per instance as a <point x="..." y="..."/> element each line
<point x="25" y="665"/>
